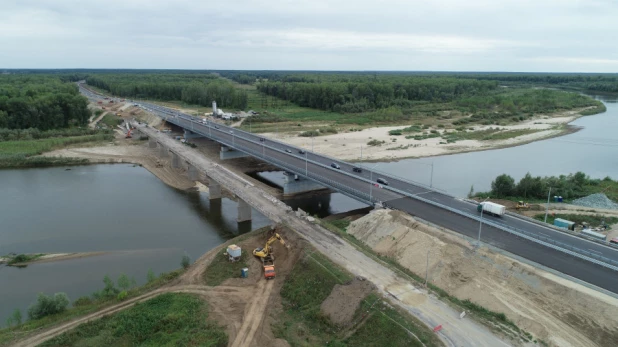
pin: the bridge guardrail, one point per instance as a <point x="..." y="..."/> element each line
<point x="547" y="242"/>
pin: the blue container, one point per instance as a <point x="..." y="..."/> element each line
<point x="244" y="272"/>
<point x="555" y="198"/>
<point x="559" y="199"/>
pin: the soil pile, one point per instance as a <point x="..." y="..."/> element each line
<point x="344" y="300"/>
<point x="552" y="308"/>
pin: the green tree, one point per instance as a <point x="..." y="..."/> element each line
<point x="48" y="305"/>
<point x="530" y="186"/>
<point x="123" y="282"/>
<point x="503" y="185"/>
<point x="151" y="276"/>
<point x="17" y="316"/>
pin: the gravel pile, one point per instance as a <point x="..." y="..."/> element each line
<point x="596" y="201"/>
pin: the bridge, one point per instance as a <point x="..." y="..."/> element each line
<point x="588" y="261"/>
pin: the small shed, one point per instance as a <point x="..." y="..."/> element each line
<point x="233" y="253"/>
<point x="563" y="223"/>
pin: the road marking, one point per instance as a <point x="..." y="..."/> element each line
<point x="595" y="251"/>
<point x="421" y="193"/>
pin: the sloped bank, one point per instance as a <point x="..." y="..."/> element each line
<point x="552" y="308"/>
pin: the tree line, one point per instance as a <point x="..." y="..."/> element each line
<point x="570" y="186"/>
<point x="41" y="101"/>
<point x="192" y="88"/>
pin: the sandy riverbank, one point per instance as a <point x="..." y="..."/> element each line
<point x="347" y="145"/>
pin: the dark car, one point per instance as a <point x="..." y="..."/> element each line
<point x="288" y="150"/>
<point x="261" y="139"/>
<point x="216" y="127"/>
<point x="335" y="166"/>
<point x="301" y="151"/>
<point x="357" y="169"/>
<point x="382" y="181"/>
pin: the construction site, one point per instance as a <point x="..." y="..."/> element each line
<point x="382" y="275"/>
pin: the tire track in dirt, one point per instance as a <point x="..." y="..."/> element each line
<point x="254" y="314"/>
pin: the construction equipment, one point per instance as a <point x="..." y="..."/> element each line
<point x="266" y="256"/>
<point x="522" y="205"/>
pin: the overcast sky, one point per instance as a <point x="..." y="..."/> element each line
<point x="444" y="35"/>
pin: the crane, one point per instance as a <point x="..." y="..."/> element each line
<point x="266" y="256"/>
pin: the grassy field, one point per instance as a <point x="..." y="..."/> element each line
<point x="302" y="324"/>
<point x="221" y="269"/>
<point x="82" y="306"/>
<point x="111" y="120"/>
<point x="593" y="221"/>
<point x="491" y="134"/>
<point x="170" y="319"/>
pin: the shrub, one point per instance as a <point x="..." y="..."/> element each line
<point x="151" y="276"/>
<point x="48" y="305"/>
<point x="395" y="132"/>
<point x="82" y="301"/>
<point x="186" y="261"/>
<point x="122" y="295"/>
<point x="309" y="133"/>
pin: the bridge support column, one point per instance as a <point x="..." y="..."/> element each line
<point x="193" y="173"/>
<point x="191" y="135"/>
<point x="152" y="143"/>
<point x="162" y="151"/>
<point x="295" y="184"/>
<point x="230" y="153"/>
<point x="214" y="189"/>
<point x="244" y="211"/>
<point x="175" y="160"/>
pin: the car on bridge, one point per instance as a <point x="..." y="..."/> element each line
<point x="357" y="169"/>
<point x="382" y="181"/>
<point x="335" y="166"/>
<point x="301" y="151"/>
<point x="288" y="150"/>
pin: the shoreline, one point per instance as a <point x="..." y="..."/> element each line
<point x="347" y="145"/>
<point x="52" y="257"/>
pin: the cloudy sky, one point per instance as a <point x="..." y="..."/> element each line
<point x="445" y="35"/>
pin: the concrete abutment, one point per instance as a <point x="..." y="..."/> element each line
<point x="244" y="211"/>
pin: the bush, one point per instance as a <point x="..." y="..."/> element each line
<point x="503" y="185"/>
<point x="395" y="132"/>
<point x="185" y="262"/>
<point x="151" y="276"/>
<point x="122" y="295"/>
<point x="309" y="133"/>
<point x="375" y="143"/>
<point x="48" y="305"/>
<point x="84" y="300"/>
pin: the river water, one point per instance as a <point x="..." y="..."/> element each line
<point x="118" y="208"/>
<point x="593" y="150"/>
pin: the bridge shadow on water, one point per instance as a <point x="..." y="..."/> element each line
<point x="220" y="213"/>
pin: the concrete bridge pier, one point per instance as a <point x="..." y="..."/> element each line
<point x="152" y="143"/>
<point x="244" y="211"/>
<point x="193" y="173"/>
<point x="175" y="160"/>
<point x="295" y="184"/>
<point x="162" y="151"/>
<point x="214" y="189"/>
<point x="188" y="134"/>
<point x="230" y="153"/>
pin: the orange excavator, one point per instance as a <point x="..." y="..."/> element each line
<point x="266" y="256"/>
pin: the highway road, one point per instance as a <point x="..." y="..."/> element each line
<point x="361" y="186"/>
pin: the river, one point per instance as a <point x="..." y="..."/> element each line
<point x="119" y="208"/>
<point x="593" y="150"/>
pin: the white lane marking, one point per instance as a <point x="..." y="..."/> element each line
<point x="595" y="251"/>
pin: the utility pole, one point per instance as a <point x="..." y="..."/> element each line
<point x="306" y="166"/>
<point x="431" y="179"/>
<point x="427" y="267"/>
<point x="547" y="206"/>
<point x="480" y="226"/>
<point x="361" y="153"/>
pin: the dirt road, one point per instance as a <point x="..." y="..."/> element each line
<point x="254" y="314"/>
<point x="93" y="124"/>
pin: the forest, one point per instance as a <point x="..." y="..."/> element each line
<point x="407" y="94"/>
<point x="568" y="186"/>
<point x="41" y="101"/>
<point x="191" y="88"/>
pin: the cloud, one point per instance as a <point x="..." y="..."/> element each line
<point x="506" y="35"/>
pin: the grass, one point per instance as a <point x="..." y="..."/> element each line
<point x="9" y="335"/>
<point x="302" y="324"/>
<point x="19" y="153"/>
<point x="111" y="120"/>
<point x="170" y="319"/>
<point x="496" y="321"/>
<point x="593" y="221"/>
<point x="491" y="134"/>
<point x="221" y="268"/>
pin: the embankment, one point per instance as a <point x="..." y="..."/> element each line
<point x="554" y="309"/>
